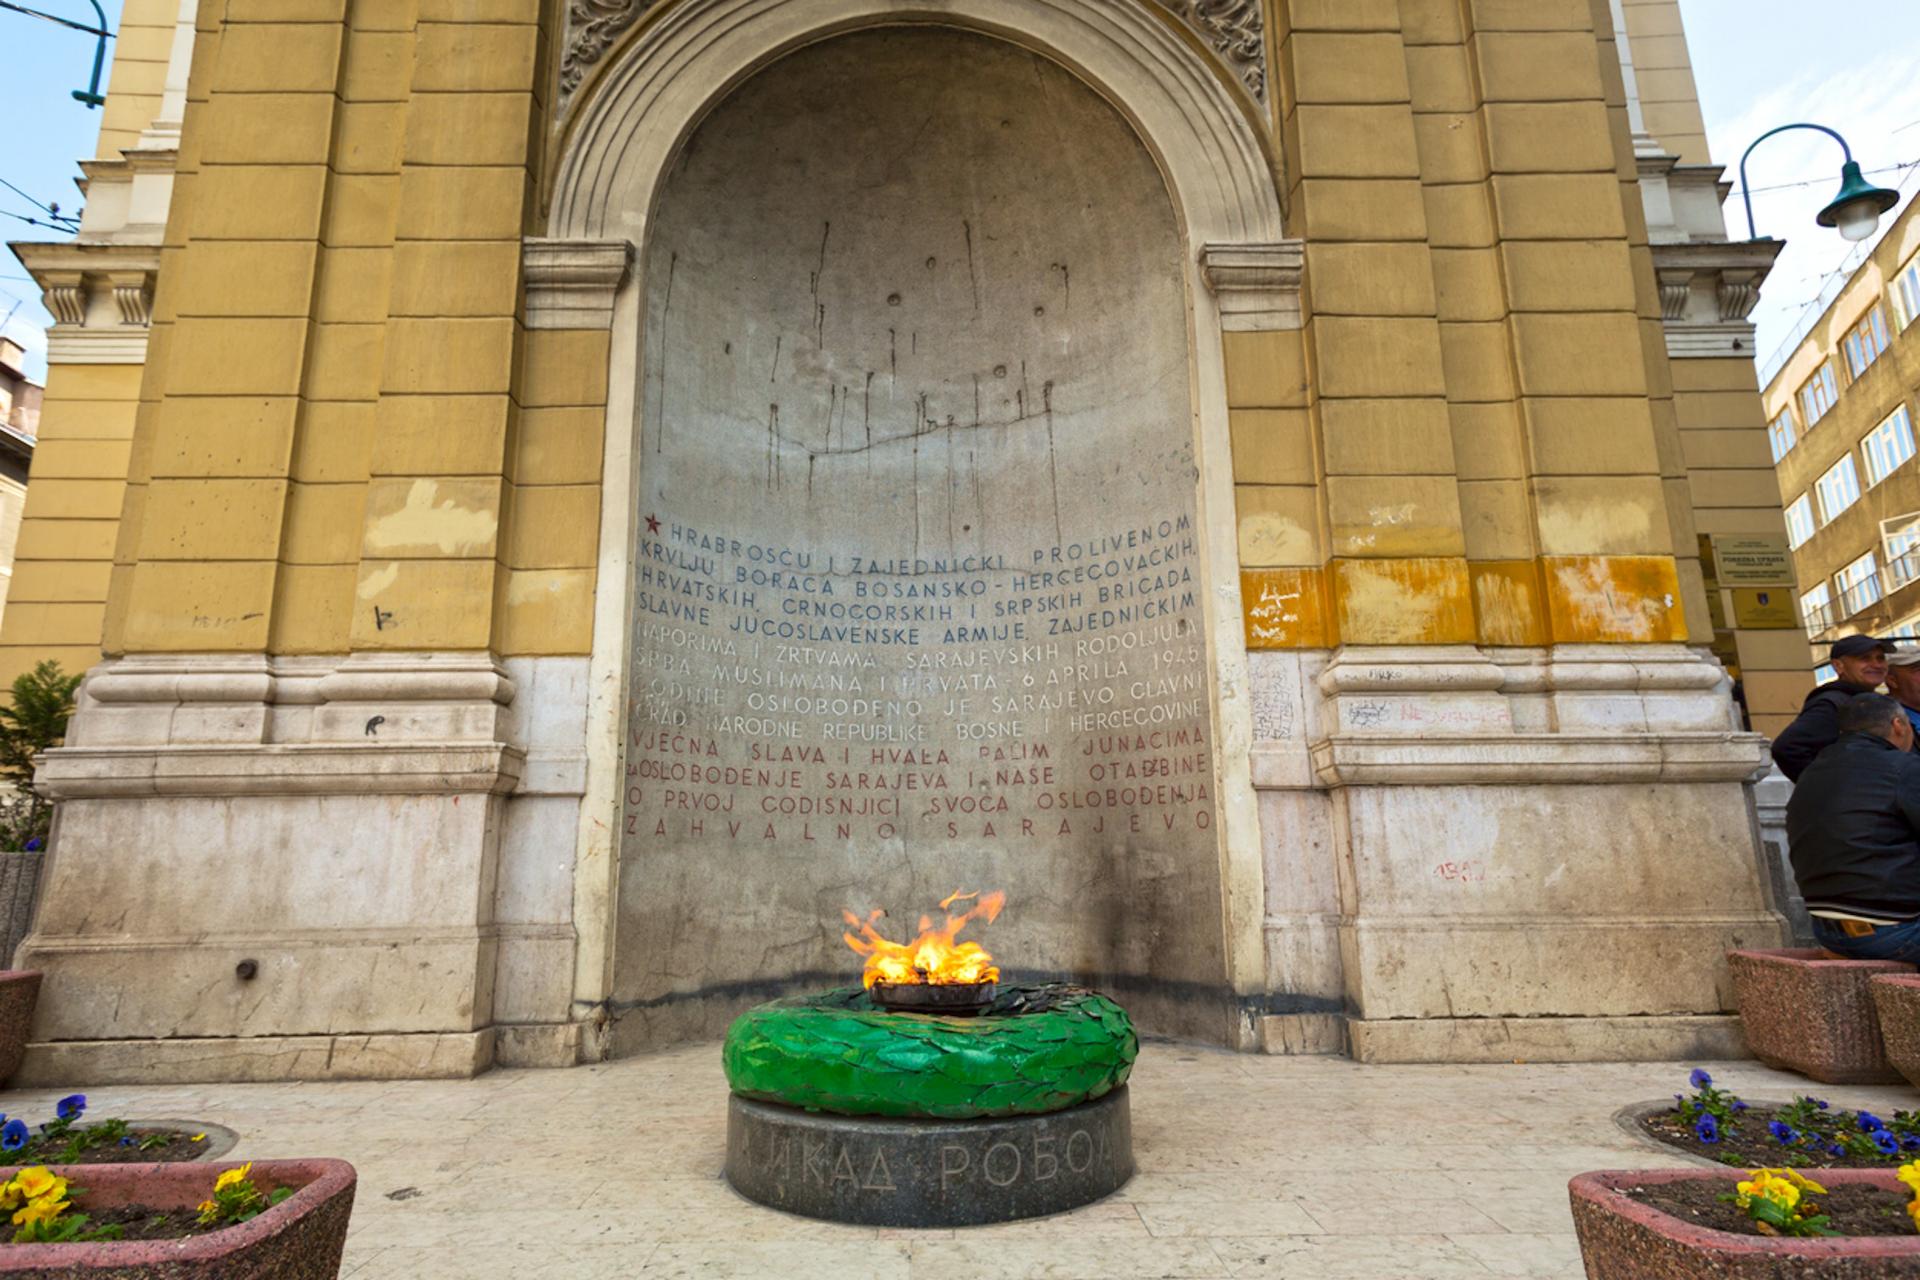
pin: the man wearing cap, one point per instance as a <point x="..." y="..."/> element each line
<point x="1853" y="835"/>
<point x="1859" y="664"/>
<point x="1903" y="683"/>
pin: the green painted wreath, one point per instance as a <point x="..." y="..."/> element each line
<point x="1036" y="1049"/>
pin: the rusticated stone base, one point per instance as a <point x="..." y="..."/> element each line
<point x="928" y="1173"/>
<point x="242" y="1059"/>
<point x="1654" y="1038"/>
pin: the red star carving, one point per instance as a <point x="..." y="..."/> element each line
<point x="653" y="525"/>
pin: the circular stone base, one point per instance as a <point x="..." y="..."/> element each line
<point x="928" y="1173"/>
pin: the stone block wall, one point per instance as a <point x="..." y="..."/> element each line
<point x="363" y="576"/>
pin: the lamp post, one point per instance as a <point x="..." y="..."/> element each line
<point x="90" y="95"/>
<point x="1854" y="212"/>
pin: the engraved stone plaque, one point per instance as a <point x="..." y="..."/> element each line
<point x="918" y="593"/>
<point x="928" y="1173"/>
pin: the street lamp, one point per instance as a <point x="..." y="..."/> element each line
<point x="1854" y="212"/>
<point x="90" y="95"/>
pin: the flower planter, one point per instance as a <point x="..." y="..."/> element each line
<point x="298" y="1239"/>
<point x="1624" y="1239"/>
<point x="1896" y="999"/>
<point x="1808" y="1010"/>
<point x="19" y="989"/>
<point x="19" y="886"/>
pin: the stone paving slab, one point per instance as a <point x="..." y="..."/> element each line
<point x="1249" y="1167"/>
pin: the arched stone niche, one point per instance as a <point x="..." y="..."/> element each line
<point x="728" y="463"/>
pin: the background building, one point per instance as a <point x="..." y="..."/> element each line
<point x="1841" y="409"/>
<point x="19" y="423"/>
<point x="568" y="496"/>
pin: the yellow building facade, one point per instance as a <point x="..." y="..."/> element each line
<point x="487" y="439"/>
<point x="1840" y="411"/>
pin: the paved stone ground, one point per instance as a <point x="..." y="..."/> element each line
<point x="1249" y="1167"/>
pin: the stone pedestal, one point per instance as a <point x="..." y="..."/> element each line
<point x="288" y="870"/>
<point x="928" y="1173"/>
<point x="1537" y="854"/>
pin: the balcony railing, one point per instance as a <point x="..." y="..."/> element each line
<point x="1901" y="570"/>
<point x="1860" y="595"/>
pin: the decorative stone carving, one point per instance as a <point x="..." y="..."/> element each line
<point x="1258" y="285"/>
<point x="66" y="298"/>
<point x="133" y="293"/>
<point x="571" y="284"/>
<point x="592" y="27"/>
<point x="1739" y="292"/>
<point x="76" y="277"/>
<point x="1675" y="288"/>
<point x="1730" y="274"/>
<point x="1233" y="29"/>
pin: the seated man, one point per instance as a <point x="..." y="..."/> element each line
<point x="1903" y="683"/>
<point x="1859" y="665"/>
<point x="1853" y="835"/>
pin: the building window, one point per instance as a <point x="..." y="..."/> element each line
<point x="1815" y="604"/>
<point x="1906" y="293"/>
<point x="1859" y="585"/>
<point x="1865" y="341"/>
<point x="1818" y="395"/>
<point x="1825" y="674"/>
<point x="1887" y="446"/>
<point x="1799" y="522"/>
<point x="1903" y="557"/>
<point x="1780" y="434"/>
<point x="1838" y="489"/>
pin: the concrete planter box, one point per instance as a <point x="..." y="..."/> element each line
<point x="19" y="889"/>
<point x="1624" y="1239"/>
<point x="19" y="990"/>
<point x="298" y="1239"/>
<point x="1896" y="999"/>
<point x="1808" y="1010"/>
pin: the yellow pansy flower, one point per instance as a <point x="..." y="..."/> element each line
<point x="39" y="1211"/>
<point x="198" y="1137"/>
<point x="1805" y="1184"/>
<point x="232" y="1176"/>
<point x="35" y="1183"/>
<point x="1765" y="1186"/>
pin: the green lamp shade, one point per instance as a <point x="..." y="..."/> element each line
<point x="1856" y="211"/>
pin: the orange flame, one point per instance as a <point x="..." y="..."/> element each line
<point x="934" y="956"/>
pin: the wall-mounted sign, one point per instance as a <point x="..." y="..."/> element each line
<point x="1765" y="610"/>
<point x="1752" y="560"/>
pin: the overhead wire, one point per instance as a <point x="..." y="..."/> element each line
<point x="50" y="210"/>
<point x="52" y="17"/>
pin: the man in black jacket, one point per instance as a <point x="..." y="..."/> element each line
<point x="1859" y="665"/>
<point x="1853" y="835"/>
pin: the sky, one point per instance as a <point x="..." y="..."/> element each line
<point x="1854" y="67"/>
<point x="1760" y="63"/>
<point x="47" y="133"/>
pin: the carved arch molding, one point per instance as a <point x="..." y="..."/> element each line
<point x="1235" y="30"/>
